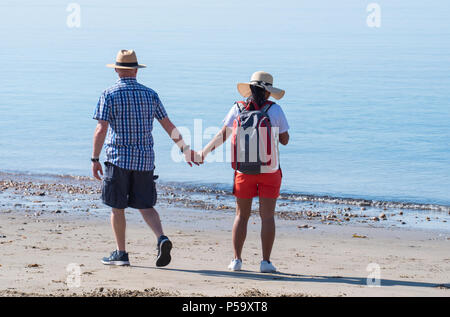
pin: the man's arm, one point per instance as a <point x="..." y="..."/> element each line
<point x="99" y="139"/>
<point x="177" y="138"/>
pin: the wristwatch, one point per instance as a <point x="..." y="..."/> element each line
<point x="95" y="160"/>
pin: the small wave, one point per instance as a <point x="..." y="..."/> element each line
<point x="364" y="202"/>
<point x="223" y="189"/>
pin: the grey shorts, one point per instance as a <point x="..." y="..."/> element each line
<point x="123" y="188"/>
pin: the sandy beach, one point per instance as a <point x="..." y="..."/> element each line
<point x="47" y="229"/>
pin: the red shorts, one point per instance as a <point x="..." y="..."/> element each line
<point x="264" y="185"/>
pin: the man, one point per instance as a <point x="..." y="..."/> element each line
<point x="126" y="111"/>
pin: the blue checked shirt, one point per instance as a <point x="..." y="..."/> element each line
<point x="130" y="108"/>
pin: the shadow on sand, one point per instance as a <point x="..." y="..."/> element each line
<point x="278" y="276"/>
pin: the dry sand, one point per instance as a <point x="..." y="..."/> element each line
<point x="36" y="249"/>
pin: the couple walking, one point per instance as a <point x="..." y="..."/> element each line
<point x="125" y="114"/>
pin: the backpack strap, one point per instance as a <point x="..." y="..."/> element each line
<point x="265" y="108"/>
<point x="241" y="106"/>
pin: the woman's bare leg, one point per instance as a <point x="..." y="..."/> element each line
<point x="267" y="213"/>
<point x="243" y="210"/>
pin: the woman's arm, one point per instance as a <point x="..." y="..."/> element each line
<point x="220" y="138"/>
<point x="284" y="138"/>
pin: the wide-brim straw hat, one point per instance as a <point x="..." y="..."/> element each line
<point x="126" y="59"/>
<point x="263" y="80"/>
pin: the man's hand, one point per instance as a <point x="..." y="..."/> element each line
<point x="191" y="157"/>
<point x="99" y="139"/>
<point x="96" y="168"/>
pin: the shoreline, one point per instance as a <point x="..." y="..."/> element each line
<point x="65" y="193"/>
<point x="47" y="225"/>
<point x="203" y="188"/>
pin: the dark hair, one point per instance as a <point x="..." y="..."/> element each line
<point x="258" y="95"/>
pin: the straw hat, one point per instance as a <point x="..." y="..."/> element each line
<point x="126" y="59"/>
<point x="263" y="80"/>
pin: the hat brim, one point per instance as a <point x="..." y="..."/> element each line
<point x="245" y="91"/>
<point x="126" y="67"/>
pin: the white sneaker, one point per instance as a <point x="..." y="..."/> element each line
<point x="267" y="267"/>
<point x="235" y="265"/>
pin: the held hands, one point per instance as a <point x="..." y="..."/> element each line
<point x="201" y="155"/>
<point x="193" y="157"/>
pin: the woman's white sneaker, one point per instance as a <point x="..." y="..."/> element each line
<point x="235" y="265"/>
<point x="267" y="267"/>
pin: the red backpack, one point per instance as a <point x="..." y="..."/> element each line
<point x="252" y="138"/>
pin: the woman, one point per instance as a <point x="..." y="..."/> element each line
<point x="265" y="185"/>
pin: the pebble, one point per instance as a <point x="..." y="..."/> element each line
<point x="306" y="227"/>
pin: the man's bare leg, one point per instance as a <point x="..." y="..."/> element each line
<point x="118" y="224"/>
<point x="152" y="219"/>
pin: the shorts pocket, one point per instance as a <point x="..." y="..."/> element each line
<point x="108" y="191"/>
<point x="155" y="194"/>
<point x="112" y="194"/>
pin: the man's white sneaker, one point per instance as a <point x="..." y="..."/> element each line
<point x="235" y="265"/>
<point x="267" y="267"/>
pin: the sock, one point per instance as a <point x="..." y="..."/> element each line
<point x="161" y="238"/>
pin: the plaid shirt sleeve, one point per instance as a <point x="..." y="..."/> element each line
<point x="160" y="112"/>
<point x="103" y="109"/>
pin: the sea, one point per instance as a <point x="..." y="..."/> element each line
<point x="367" y="87"/>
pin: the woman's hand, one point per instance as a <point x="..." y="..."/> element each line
<point x="201" y="157"/>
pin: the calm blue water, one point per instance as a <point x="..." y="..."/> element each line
<point x="369" y="109"/>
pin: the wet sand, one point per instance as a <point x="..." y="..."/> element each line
<point x="50" y="226"/>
